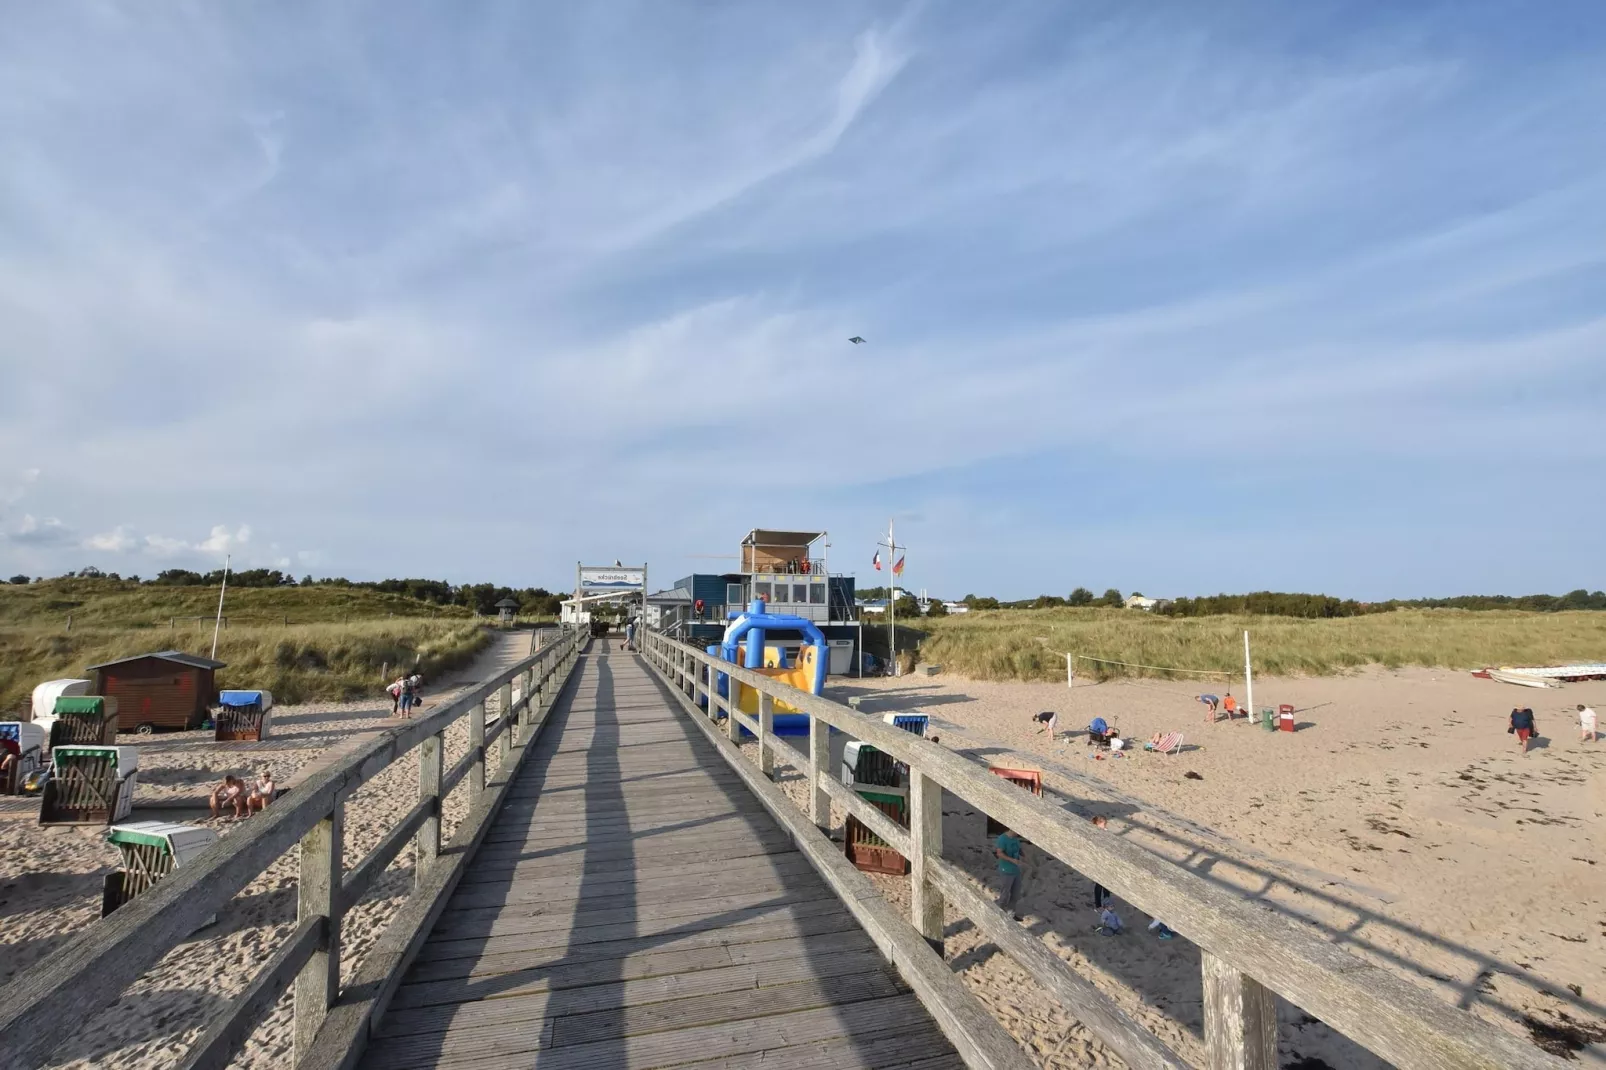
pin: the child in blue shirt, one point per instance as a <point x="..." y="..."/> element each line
<point x="1006" y="848"/>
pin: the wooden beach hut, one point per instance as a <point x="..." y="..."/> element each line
<point x="167" y="689"/>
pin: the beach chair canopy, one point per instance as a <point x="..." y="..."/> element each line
<point x="182" y="841"/>
<point x="25" y="734"/>
<point x="82" y="705"/>
<point x="245" y="698"/>
<point x="124" y="759"/>
<point x="1099" y="725"/>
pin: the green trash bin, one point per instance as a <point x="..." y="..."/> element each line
<point x="1268" y="718"/>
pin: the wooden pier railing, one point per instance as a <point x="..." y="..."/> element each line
<point x="1248" y="952"/>
<point x="47" y="1005"/>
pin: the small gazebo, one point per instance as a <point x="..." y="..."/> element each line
<point x="505" y="610"/>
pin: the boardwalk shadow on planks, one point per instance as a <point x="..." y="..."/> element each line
<point x="634" y="906"/>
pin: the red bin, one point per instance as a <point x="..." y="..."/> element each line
<point x="1285" y="717"/>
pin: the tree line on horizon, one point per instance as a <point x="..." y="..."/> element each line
<point x="480" y="597"/>
<point x="1310" y="606"/>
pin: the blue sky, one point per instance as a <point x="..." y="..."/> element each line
<point x="1175" y="297"/>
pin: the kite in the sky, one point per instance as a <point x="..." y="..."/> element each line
<point x="856" y="340"/>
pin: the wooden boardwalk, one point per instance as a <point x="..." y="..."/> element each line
<point x="634" y="906"/>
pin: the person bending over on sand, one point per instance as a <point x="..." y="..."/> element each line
<point x="1210" y="704"/>
<point x="1522" y="725"/>
<point x="1049" y="720"/>
<point x="261" y="792"/>
<point x="230" y="793"/>
<point x="1006" y="848"/>
<point x="1586" y="724"/>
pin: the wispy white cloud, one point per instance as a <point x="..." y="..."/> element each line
<point x="119" y="540"/>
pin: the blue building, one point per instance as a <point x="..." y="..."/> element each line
<point x="782" y="569"/>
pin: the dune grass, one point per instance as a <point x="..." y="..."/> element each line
<point x="298" y="664"/>
<point x="120" y="604"/>
<point x="1031" y="644"/>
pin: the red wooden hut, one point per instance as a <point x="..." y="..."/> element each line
<point x="168" y="689"/>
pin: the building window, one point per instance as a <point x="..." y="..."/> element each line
<point x="762" y="590"/>
<point x="800" y="593"/>
<point x="817" y="594"/>
<point x="733" y="594"/>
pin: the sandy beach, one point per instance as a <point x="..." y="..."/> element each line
<point x="1400" y="819"/>
<point x="50" y="878"/>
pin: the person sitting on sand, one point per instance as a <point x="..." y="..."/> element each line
<point x="1049" y="720"/>
<point x="1586" y="724"/>
<point x="1210" y="703"/>
<point x="1230" y="704"/>
<point x="261" y="792"/>
<point x="229" y="793"/>
<point x="1522" y="725"/>
<point x="11" y="755"/>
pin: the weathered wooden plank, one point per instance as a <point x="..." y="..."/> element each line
<point x="631" y="845"/>
<point x="509" y="954"/>
<point x="785" y="873"/>
<point x="599" y="880"/>
<point x="431" y="767"/>
<point x="470" y="924"/>
<point x="925" y="843"/>
<point x="568" y="999"/>
<point x="556" y="945"/>
<point x="1240" y="1019"/>
<point x="318" y="899"/>
<point x="676" y="858"/>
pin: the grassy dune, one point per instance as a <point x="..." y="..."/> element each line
<point x="340" y="643"/>
<point x="1030" y="644"/>
<point x="120" y="604"/>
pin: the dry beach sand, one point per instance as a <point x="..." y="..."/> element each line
<point x="1400" y="819"/>
<point x="50" y="878"/>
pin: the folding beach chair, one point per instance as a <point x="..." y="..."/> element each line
<point x="1169" y="744"/>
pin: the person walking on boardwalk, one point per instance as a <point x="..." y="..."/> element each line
<point x="1006" y="848"/>
<point x="630" y="635"/>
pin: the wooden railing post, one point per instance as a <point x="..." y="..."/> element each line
<point x="733" y="690"/>
<point x="476" y="745"/>
<point x="1240" y="1019"/>
<point x="318" y="895"/>
<point x="819" y="764"/>
<point x="925" y="829"/>
<point x="431" y="769"/>
<point x="504" y="742"/>
<point x="766" y="725"/>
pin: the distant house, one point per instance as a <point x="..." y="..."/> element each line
<point x="956" y="607"/>
<point x="1137" y="601"/>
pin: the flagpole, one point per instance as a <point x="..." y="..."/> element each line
<point x="218" y="624"/>
<point x="892" y="599"/>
